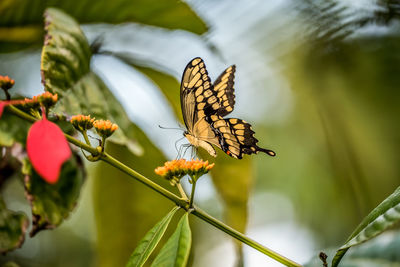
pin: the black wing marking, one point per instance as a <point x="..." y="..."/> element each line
<point x="195" y="86"/>
<point x="236" y="137"/>
<point x="224" y="90"/>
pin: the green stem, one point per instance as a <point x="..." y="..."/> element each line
<point x="119" y="165"/>
<point x="84" y="133"/>
<point x="8" y="96"/>
<point x="171" y="196"/>
<point x="70" y="139"/>
<point x="192" y="193"/>
<point x="103" y="143"/>
<point x="181" y="191"/>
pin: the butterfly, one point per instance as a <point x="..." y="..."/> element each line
<point x="204" y="106"/>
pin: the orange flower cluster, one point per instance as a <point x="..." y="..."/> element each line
<point x="174" y="170"/>
<point x="82" y="122"/>
<point x="46" y="99"/>
<point x="6" y="82"/>
<point x="105" y="128"/>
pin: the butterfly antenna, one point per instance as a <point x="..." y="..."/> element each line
<point x="170" y="128"/>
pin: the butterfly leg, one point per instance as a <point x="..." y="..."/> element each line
<point x="194" y="152"/>
<point x="186" y="149"/>
<point x="181" y="147"/>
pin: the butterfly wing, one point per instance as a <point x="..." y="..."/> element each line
<point x="224" y="90"/>
<point x="197" y="96"/>
<point x="235" y="137"/>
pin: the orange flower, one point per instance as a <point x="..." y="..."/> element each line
<point x="174" y="170"/>
<point x="105" y="128"/>
<point x="6" y="82"/>
<point x="82" y="122"/>
<point x="28" y="104"/>
<point x="47" y="99"/>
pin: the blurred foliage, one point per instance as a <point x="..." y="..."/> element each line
<point x="233" y="180"/>
<point x="12" y="130"/>
<point x="21" y="22"/>
<point x="346" y="118"/>
<point x="66" y="71"/>
<point x="166" y="83"/>
<point x="13" y="226"/>
<point x="52" y="204"/>
<point x="125" y="210"/>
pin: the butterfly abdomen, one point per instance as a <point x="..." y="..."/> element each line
<point x="200" y="143"/>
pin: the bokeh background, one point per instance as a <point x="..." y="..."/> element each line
<point x="319" y="82"/>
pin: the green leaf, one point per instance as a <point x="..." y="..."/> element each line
<point x="175" y="252"/>
<point x="379" y="252"/>
<point x="21" y="21"/>
<point x="66" y="71"/>
<point x="150" y="241"/>
<point x="13" y="226"/>
<point x="51" y="204"/>
<point x="380" y="219"/>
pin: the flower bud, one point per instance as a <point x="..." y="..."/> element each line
<point x="105" y="128"/>
<point x="46" y="99"/>
<point x="6" y="82"/>
<point x="82" y="122"/>
<point x="174" y="170"/>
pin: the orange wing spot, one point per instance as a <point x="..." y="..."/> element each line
<point x="228" y="152"/>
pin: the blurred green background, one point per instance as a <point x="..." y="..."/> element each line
<point x="318" y="80"/>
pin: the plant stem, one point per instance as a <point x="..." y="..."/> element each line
<point x="103" y="143"/>
<point x="181" y="191"/>
<point x="70" y="139"/>
<point x="192" y="193"/>
<point x="119" y="165"/>
<point x="171" y="196"/>
<point x="8" y="96"/>
<point x="84" y="133"/>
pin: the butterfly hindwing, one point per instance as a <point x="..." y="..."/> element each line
<point x="224" y="90"/>
<point x="236" y="137"/>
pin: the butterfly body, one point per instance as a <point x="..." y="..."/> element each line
<point x="204" y="106"/>
<point x="197" y="142"/>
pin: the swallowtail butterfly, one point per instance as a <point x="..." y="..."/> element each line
<point x="204" y="106"/>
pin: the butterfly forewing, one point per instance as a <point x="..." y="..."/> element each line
<point x="224" y="90"/>
<point x="197" y="96"/>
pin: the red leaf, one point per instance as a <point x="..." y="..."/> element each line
<point x="2" y="105"/>
<point x="47" y="149"/>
